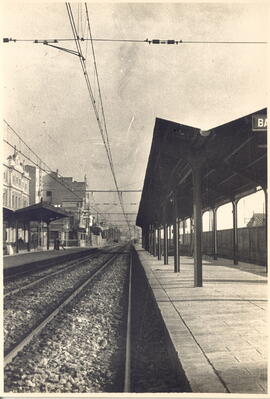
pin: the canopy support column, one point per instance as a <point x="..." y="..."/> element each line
<point x="143" y="237"/>
<point x="48" y="235"/>
<point x="165" y="236"/>
<point x="17" y="236"/>
<point x="197" y="214"/>
<point x="184" y="231"/>
<point x="235" y="233"/>
<point x="28" y="236"/>
<point x="154" y="242"/>
<point x="165" y="239"/>
<point x="214" y="229"/>
<point x="150" y="239"/>
<point x="159" y="244"/>
<point x="266" y="223"/>
<point x="147" y="238"/>
<point x="176" y="237"/>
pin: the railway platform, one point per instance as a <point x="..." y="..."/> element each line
<point x="27" y="258"/>
<point x="219" y="331"/>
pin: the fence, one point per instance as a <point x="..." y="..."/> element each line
<point x="251" y="244"/>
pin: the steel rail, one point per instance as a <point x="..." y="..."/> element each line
<point x="63" y="268"/>
<point x="8" y="357"/>
<point x="40" y="269"/>
<point x="128" y="337"/>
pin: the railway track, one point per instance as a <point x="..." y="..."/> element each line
<point x="18" y="350"/>
<point x="40" y="276"/>
<point x="27" y="271"/>
<point x="24" y="310"/>
<point x="104" y="337"/>
<point x="20" y="345"/>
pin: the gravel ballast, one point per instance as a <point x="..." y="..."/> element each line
<point x="23" y="310"/>
<point x="18" y="282"/>
<point x="82" y="349"/>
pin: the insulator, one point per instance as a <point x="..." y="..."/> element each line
<point x="6" y="40"/>
<point x="170" y="41"/>
<point x="156" y="41"/>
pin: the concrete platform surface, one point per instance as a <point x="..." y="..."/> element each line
<point x="35" y="256"/>
<point x="219" y="330"/>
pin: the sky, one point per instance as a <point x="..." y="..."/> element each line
<point x="45" y="98"/>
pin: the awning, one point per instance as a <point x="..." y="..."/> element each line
<point x="40" y="212"/>
<point x="233" y="163"/>
<point x="8" y="214"/>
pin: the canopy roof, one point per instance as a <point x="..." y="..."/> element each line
<point x="7" y="213"/>
<point x="40" y="212"/>
<point x="233" y="163"/>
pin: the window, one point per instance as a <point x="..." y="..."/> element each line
<point x="12" y="201"/>
<point x="48" y="193"/>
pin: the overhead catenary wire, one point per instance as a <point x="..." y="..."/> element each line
<point x="48" y="173"/>
<point x="103" y="114"/>
<point x="153" y="41"/>
<point x="102" y="109"/>
<point x="45" y="168"/>
<point x="97" y="77"/>
<point x="103" y="134"/>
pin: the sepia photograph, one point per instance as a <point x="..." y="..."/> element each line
<point x="134" y="197"/>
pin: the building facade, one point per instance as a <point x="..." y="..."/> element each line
<point x="70" y="195"/>
<point x="35" y="184"/>
<point x="16" y="181"/>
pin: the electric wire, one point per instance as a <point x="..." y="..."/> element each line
<point x="100" y="96"/>
<point x="45" y="168"/>
<point x="102" y="107"/>
<point x="97" y="77"/>
<point x="82" y="62"/>
<point x="138" y="41"/>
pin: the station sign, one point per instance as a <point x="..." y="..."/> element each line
<point x="259" y="123"/>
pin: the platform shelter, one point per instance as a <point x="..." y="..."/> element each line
<point x="22" y="218"/>
<point x="190" y="171"/>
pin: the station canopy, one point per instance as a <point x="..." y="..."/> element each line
<point x="39" y="212"/>
<point x="233" y="163"/>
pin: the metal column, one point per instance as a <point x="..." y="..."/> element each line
<point x="197" y="214"/>
<point x="214" y="230"/>
<point x="150" y="239"/>
<point x="176" y="238"/>
<point x="159" y="244"/>
<point x="235" y="233"/>
<point x="146" y="239"/>
<point x="48" y="235"/>
<point x="154" y="242"/>
<point x="142" y="237"/>
<point x="17" y="236"/>
<point x="266" y="224"/>
<point x="165" y="239"/>
<point x="29" y="236"/>
<point x="184" y="230"/>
